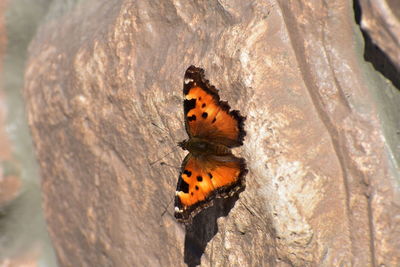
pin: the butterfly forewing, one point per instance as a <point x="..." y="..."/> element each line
<point x="208" y="117"/>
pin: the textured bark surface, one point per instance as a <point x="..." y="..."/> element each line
<point x="321" y="146"/>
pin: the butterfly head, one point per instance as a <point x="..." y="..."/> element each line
<point x="183" y="144"/>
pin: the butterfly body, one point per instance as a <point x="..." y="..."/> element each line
<point x="201" y="147"/>
<point x="210" y="170"/>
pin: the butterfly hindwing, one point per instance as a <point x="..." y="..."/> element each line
<point x="203" y="179"/>
<point x="206" y="116"/>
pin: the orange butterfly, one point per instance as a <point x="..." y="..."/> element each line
<point x="210" y="170"/>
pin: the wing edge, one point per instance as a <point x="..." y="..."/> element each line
<point x="196" y="75"/>
<point x="186" y="216"/>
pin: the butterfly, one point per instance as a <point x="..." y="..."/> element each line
<point x="210" y="170"/>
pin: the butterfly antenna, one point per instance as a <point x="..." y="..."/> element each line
<point x="166" y="208"/>
<point x="162" y="129"/>
<point x="152" y="163"/>
<point x="162" y="163"/>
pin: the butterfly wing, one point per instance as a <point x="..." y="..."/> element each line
<point x="206" y="116"/>
<point x="203" y="179"/>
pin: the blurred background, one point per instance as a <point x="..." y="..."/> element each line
<point x="24" y="240"/>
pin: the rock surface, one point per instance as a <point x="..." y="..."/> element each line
<point x="322" y="143"/>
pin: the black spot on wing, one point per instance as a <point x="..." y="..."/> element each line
<point x="188" y="173"/>
<point x="192" y="118"/>
<point x="188" y="105"/>
<point x="213" y="120"/>
<point x="210" y="175"/>
<point x="182" y="185"/>
<point x="199" y="178"/>
<point x="204" y="115"/>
